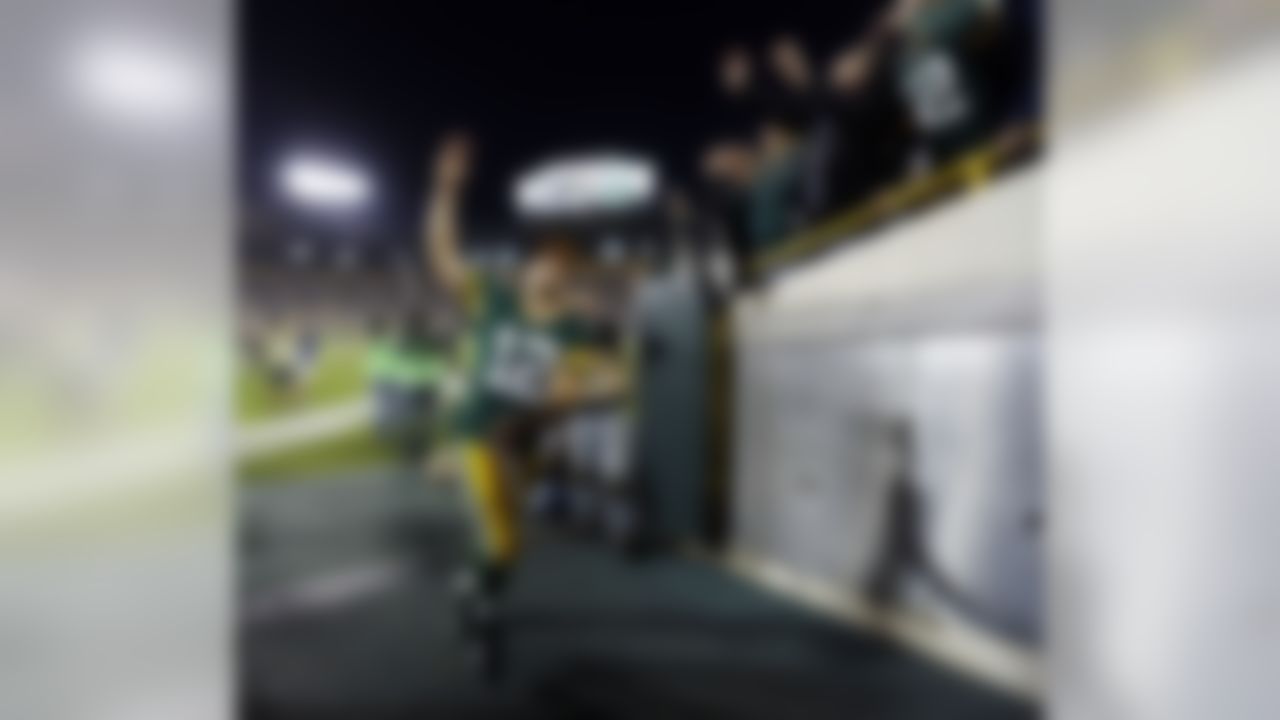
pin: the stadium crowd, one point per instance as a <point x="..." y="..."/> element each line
<point x="928" y="82"/>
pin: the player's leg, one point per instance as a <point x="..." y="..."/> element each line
<point x="493" y="509"/>
<point x="497" y="543"/>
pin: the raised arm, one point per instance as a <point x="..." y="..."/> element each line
<point x="442" y="234"/>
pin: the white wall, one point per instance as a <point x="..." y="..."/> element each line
<point x="932" y="323"/>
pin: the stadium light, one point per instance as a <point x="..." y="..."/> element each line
<point x="586" y="184"/>
<point x="324" y="183"/>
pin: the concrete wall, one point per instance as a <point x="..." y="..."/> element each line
<point x="931" y="326"/>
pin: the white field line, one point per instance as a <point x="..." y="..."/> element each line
<point x="275" y="435"/>
<point x="327" y="591"/>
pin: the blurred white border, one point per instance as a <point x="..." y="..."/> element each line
<point x="115" y="306"/>
<point x="1162" y="300"/>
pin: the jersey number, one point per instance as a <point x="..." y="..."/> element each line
<point x="521" y="363"/>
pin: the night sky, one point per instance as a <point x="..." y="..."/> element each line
<point x="378" y="81"/>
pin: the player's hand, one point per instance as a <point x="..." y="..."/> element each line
<point x="453" y="161"/>
<point x="850" y="70"/>
<point x="729" y="162"/>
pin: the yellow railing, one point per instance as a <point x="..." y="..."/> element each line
<point x="969" y="171"/>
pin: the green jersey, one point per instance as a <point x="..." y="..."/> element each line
<point x="511" y="357"/>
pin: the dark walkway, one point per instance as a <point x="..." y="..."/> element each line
<point x="348" y="621"/>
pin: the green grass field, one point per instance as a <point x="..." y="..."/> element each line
<point x="338" y="377"/>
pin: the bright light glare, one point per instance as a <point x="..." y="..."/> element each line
<point x="325" y="183"/>
<point x="137" y="81"/>
<point x="586" y="184"/>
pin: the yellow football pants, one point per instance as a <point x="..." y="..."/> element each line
<point x="493" y="503"/>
